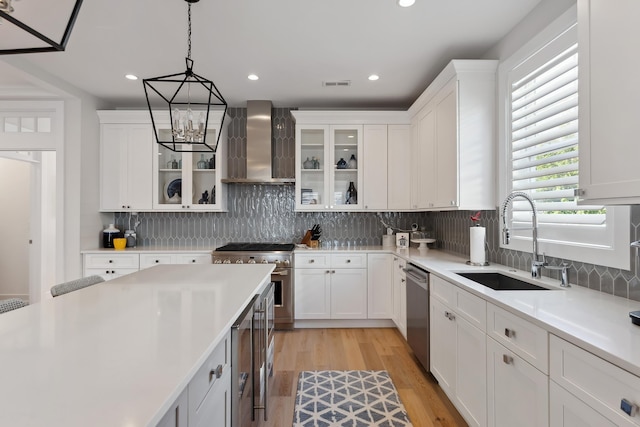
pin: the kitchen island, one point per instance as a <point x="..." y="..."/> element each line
<point x="121" y="352"/>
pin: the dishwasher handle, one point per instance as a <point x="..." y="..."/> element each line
<point x="414" y="276"/>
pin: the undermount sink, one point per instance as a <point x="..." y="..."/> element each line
<point x="502" y="282"/>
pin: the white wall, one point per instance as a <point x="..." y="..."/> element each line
<point x="14" y="228"/>
<point x="78" y="170"/>
<point x="532" y="24"/>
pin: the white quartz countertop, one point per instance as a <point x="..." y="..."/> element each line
<point x="150" y="249"/>
<point x="120" y="352"/>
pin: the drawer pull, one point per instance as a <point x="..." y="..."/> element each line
<point x="509" y="333"/>
<point x="628" y="408"/>
<point x="507" y="359"/>
<point x="328" y="272"/>
<point x="217" y="372"/>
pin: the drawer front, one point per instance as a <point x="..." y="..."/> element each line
<point x="600" y="384"/>
<point x="112" y="261"/>
<point x="109" y="273"/>
<point x="193" y="259"/>
<point x="312" y="260"/>
<point x="149" y="260"/>
<point x="442" y="290"/>
<point x="520" y="336"/>
<point x="210" y="371"/>
<point x="349" y="260"/>
<point x="471" y="307"/>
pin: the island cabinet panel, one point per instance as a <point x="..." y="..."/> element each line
<point x="210" y="389"/>
<point x="110" y="265"/>
<point x="178" y="414"/>
<point x="609" y="101"/>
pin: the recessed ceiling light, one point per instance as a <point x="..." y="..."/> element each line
<point x="131" y="76"/>
<point x="374" y="77"/>
<point x="253" y="77"/>
<point x="406" y="3"/>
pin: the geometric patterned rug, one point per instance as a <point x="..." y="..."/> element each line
<point x="348" y="398"/>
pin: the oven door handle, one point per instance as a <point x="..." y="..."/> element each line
<point x="280" y="273"/>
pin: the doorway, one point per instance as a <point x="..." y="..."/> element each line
<point x="28" y="226"/>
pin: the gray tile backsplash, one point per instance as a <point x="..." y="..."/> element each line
<point x="264" y="213"/>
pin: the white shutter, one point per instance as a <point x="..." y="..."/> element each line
<point x="544" y="142"/>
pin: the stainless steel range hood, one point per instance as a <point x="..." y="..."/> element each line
<point x="259" y="157"/>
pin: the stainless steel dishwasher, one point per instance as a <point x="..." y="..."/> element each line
<point x="418" y="313"/>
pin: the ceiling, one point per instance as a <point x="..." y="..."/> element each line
<point x="292" y="45"/>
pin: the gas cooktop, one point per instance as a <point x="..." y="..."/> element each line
<point x="256" y="247"/>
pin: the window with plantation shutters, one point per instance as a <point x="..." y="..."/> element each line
<point x="539" y="155"/>
<point x="544" y="143"/>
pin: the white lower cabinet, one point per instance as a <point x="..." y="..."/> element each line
<point x="566" y="410"/>
<point x="110" y="265"/>
<point x="400" y="295"/>
<point x="582" y="380"/>
<point x="517" y="393"/>
<point x="458" y="348"/>
<point x="380" y="286"/>
<point x="331" y="286"/>
<point x="207" y="399"/>
<point x="178" y="414"/>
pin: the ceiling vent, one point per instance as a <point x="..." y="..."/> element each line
<point x="337" y="83"/>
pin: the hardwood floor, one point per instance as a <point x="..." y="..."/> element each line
<point x="350" y="349"/>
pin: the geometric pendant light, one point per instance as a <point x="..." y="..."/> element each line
<point x="188" y="99"/>
<point x="32" y="26"/>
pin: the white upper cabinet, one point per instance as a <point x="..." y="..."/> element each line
<point x="339" y="151"/>
<point x="136" y="174"/>
<point x="454" y="145"/>
<point x="608" y="113"/>
<point x="398" y="167"/>
<point x="126" y="159"/>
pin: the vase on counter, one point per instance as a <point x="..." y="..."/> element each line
<point x="353" y="163"/>
<point x="108" y="234"/>
<point x="352" y="195"/>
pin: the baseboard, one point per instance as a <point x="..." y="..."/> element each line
<point x="344" y="323"/>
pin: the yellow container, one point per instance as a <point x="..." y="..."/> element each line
<point x="119" y="243"/>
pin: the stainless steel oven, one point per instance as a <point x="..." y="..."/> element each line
<point x="280" y="254"/>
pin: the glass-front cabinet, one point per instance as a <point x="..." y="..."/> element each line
<point x="327" y="172"/>
<point x="190" y="181"/>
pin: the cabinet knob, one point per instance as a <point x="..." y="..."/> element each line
<point x="629" y="407"/>
<point x="366" y="207"/>
<point x="123" y="207"/>
<point x="348" y="261"/>
<point x="403" y="280"/>
<point x="193" y="260"/>
<point x="453" y="203"/>
<point x="157" y="261"/>
<point x="217" y="372"/>
<point x="449" y="315"/>
<point x="110" y="261"/>
<point x="333" y="271"/>
<point x="328" y="272"/>
<point x="507" y="359"/>
<point x="509" y="333"/>
<point x="311" y="261"/>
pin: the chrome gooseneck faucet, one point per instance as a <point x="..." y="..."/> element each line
<point x="536" y="263"/>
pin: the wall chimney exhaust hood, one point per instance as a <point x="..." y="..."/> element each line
<point x="259" y="141"/>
